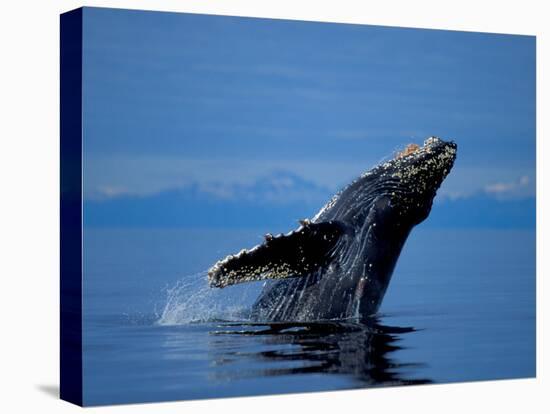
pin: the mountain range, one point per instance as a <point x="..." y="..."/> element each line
<point x="278" y="200"/>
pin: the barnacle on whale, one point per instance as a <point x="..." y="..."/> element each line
<point x="409" y="149"/>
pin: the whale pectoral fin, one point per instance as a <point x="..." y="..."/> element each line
<point x="298" y="253"/>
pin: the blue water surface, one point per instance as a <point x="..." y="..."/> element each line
<point x="460" y="307"/>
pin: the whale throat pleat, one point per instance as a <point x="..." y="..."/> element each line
<point x="298" y="253"/>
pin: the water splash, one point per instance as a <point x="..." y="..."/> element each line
<point x="191" y="300"/>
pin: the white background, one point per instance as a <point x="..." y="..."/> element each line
<point x="29" y="207"/>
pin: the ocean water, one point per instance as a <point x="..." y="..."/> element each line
<point x="460" y="307"/>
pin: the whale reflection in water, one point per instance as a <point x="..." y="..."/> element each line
<point x="361" y="351"/>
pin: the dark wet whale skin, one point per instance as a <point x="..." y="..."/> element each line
<point x="370" y="220"/>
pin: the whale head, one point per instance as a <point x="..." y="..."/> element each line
<point x="405" y="186"/>
<point x="415" y="175"/>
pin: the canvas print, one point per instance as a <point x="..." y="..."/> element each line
<point x="259" y="206"/>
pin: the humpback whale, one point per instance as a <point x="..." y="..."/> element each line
<point x="338" y="264"/>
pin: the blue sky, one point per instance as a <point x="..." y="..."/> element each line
<point x="179" y="100"/>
